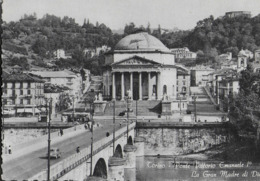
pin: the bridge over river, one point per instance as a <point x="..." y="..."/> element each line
<point x="114" y="156"/>
<point x="107" y="155"/>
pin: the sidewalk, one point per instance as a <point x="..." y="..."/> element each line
<point x="37" y="144"/>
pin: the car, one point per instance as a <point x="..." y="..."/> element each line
<point x="54" y="153"/>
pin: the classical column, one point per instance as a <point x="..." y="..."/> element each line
<point x="140" y="86"/>
<point x="131" y="85"/>
<point x="159" y="93"/>
<point x="149" y="86"/>
<point x="113" y="86"/>
<point x="122" y="86"/>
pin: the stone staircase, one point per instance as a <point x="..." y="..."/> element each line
<point x="144" y="108"/>
<point x="203" y="101"/>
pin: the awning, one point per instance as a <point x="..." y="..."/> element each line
<point x="28" y="110"/>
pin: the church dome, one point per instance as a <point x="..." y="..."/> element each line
<point x="141" y="42"/>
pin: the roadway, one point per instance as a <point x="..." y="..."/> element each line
<point x="28" y="165"/>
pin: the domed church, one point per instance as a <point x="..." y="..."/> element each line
<point x="141" y="67"/>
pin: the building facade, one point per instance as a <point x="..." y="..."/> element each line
<point x="62" y="78"/>
<point x="22" y="93"/>
<point x="233" y="14"/>
<point x="257" y="56"/>
<point x="199" y="75"/>
<point x="183" y="53"/>
<point x="140" y="67"/>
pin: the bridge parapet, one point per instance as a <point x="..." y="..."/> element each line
<point x="64" y="166"/>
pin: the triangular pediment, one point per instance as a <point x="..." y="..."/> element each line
<point x="136" y="60"/>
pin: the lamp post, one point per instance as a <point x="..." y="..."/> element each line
<point x="194" y="98"/>
<point x="90" y="99"/>
<point x="127" y="116"/>
<point x="114" y="122"/>
<point x="48" y="114"/>
<point x="73" y="113"/>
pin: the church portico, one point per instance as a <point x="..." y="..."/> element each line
<point x="138" y="85"/>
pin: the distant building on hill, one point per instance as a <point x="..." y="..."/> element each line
<point x="243" y="58"/>
<point x="226" y="56"/>
<point x="60" y="53"/>
<point x="233" y="14"/>
<point x="183" y="53"/>
<point x="257" y="56"/>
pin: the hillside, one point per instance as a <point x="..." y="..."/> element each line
<point x="31" y="42"/>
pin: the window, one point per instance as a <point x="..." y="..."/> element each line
<point x="29" y="84"/>
<point x="21" y="92"/>
<point x="29" y="92"/>
<point x="69" y="79"/>
<point x="13" y="92"/>
<point x="184" y="82"/>
<point x="184" y="77"/>
<point x="21" y="85"/>
<point x="177" y="82"/>
<point x="29" y="101"/>
<point x="164" y="89"/>
<point x="13" y="85"/>
<point x="21" y="101"/>
<point x="177" y="89"/>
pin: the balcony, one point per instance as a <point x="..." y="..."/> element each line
<point x="26" y="96"/>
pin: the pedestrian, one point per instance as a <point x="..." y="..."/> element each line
<point x="9" y="149"/>
<point x="61" y="132"/>
<point x="86" y="126"/>
<point x="78" y="149"/>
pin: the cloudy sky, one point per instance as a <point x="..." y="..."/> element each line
<point x="183" y="14"/>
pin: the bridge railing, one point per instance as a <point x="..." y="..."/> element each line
<point x="64" y="166"/>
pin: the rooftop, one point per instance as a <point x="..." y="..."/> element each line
<point x="54" y="74"/>
<point x="19" y="77"/>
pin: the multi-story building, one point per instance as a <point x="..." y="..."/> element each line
<point x="63" y="78"/>
<point x="199" y="75"/>
<point x="233" y="14"/>
<point x="60" y="53"/>
<point x="226" y="56"/>
<point x="22" y="93"/>
<point x="183" y="83"/>
<point x="257" y="56"/>
<point x="243" y="58"/>
<point x="183" y="53"/>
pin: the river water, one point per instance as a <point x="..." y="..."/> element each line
<point x="166" y="169"/>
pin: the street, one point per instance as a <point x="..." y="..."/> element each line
<point x="29" y="165"/>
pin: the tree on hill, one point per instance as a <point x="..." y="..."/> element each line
<point x="245" y="106"/>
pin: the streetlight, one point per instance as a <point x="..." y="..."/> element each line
<point x="194" y="98"/>
<point x="127" y="115"/>
<point x="90" y="97"/>
<point x="114" y="122"/>
<point x="48" y="114"/>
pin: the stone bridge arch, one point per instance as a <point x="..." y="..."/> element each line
<point x="130" y="140"/>
<point x="118" y="151"/>
<point x="100" y="169"/>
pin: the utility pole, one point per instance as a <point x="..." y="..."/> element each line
<point x="180" y="105"/>
<point x="195" y="97"/>
<point x="91" y="152"/>
<point x="73" y="108"/>
<point x="114" y="122"/>
<point x="136" y="117"/>
<point x="127" y="109"/>
<point x="49" y="136"/>
<point x="3" y="120"/>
